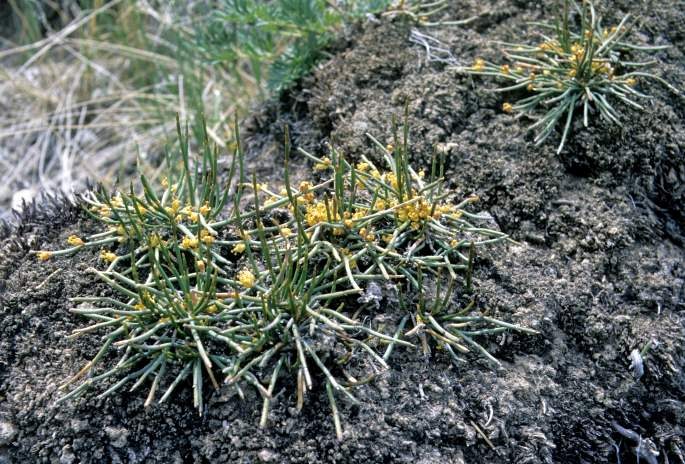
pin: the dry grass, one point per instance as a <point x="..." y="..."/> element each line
<point x="90" y="99"/>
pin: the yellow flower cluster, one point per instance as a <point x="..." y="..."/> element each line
<point x="418" y="212"/>
<point x="602" y="67"/>
<point x="363" y="167"/>
<point x="146" y="299"/>
<point x="578" y="51"/>
<point x="189" y="242"/>
<point x="478" y="65"/>
<point x="117" y="201"/>
<point x="155" y="240"/>
<point x="212" y="309"/>
<point x="317" y="212"/>
<point x="445" y="209"/>
<point x="187" y="211"/>
<point x="246" y="278"/>
<point x="206" y="237"/>
<point x="306" y="191"/>
<point x="610" y="31"/>
<point x="103" y="211"/>
<point x="367" y="235"/>
<point x="324" y="164"/>
<point x="392" y="179"/>
<point x="552" y="46"/>
<point x="44" y="255"/>
<point x="174" y="208"/>
<point x="107" y="256"/>
<point x="74" y="240"/>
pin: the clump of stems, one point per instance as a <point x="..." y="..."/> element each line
<point x="587" y="70"/>
<point x="212" y="289"/>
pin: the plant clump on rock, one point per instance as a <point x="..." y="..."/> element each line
<point x="235" y="281"/>
<point x="585" y="70"/>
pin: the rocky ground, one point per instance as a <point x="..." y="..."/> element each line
<point x="599" y="270"/>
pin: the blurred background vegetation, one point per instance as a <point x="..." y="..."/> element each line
<point x="90" y="88"/>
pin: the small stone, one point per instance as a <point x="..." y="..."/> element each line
<point x="67" y="456"/>
<point x="537" y="239"/>
<point x="266" y="455"/>
<point x="23" y="197"/>
<point x="79" y="425"/>
<point x="7" y="432"/>
<point x="637" y="364"/>
<point x="372" y="294"/>
<point x="118" y="436"/>
<point x="360" y="126"/>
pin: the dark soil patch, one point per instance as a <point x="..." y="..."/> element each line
<point x="600" y="271"/>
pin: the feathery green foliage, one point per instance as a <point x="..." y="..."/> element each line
<point x="274" y="283"/>
<point x="282" y="39"/>
<point x="570" y="70"/>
